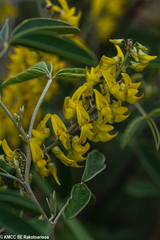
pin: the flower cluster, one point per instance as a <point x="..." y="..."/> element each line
<point x="106" y="88"/>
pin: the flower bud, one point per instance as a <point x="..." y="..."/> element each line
<point x="16" y="163"/>
<point x="144" y="58"/>
<point x="117" y="41"/>
<point x="134" y="53"/>
<point x="15" y="116"/>
<point x="138" y="67"/>
<point x="21" y="110"/>
<point x="140" y="46"/>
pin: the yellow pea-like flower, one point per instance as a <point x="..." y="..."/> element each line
<point x="58" y="125"/>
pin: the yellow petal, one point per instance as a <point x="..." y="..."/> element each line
<point x="134" y="99"/>
<point x="7" y="149"/>
<point x="57" y="124"/>
<point x="120" y="117"/>
<point x="64" y="4"/>
<point x="41" y="163"/>
<point x="82" y="115"/>
<point x="53" y="171"/>
<point x="104" y="137"/>
<point x="76" y="96"/>
<point x="106" y="128"/>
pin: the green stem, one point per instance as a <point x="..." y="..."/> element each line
<point x="8" y="113"/>
<point x="20" y="128"/>
<point x="10" y="176"/>
<point x="38" y="106"/>
<point x="122" y="64"/>
<point x="28" y="164"/>
<point x="140" y="109"/>
<point x="55" y="222"/>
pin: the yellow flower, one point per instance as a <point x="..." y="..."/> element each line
<point x="117" y="41"/>
<point x="65" y="139"/>
<point x="53" y="170"/>
<point x="69" y="107"/>
<point x="132" y="89"/>
<point x="93" y="76"/>
<point x="102" y="129"/>
<point x="78" y="150"/>
<point x="42" y="132"/>
<point x="82" y="115"/>
<point x="87" y="95"/>
<point x="43" y="172"/>
<point x="144" y="58"/>
<point x="86" y="133"/>
<point x="10" y="155"/>
<point x="58" y="125"/>
<point x="119" y="91"/>
<point x="60" y="130"/>
<point x="106" y="62"/>
<point x="66" y="14"/>
<point x="118" y="111"/>
<point x="60" y="155"/>
<point x="134" y="54"/>
<point x="37" y="153"/>
<point x="138" y="67"/>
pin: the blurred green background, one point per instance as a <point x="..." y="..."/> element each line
<point x="128" y="190"/>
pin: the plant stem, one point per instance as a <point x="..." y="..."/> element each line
<point x="38" y="106"/>
<point x="21" y="130"/>
<point x="8" y="113"/>
<point x="33" y="198"/>
<point x="141" y="110"/>
<point x="28" y="189"/>
<point x="10" y="176"/>
<point x="28" y="164"/>
<point x="122" y="64"/>
<point x="55" y="222"/>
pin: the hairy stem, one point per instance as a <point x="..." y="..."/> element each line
<point x="38" y="106"/>
<point x="8" y="113"/>
<point x="21" y="130"/>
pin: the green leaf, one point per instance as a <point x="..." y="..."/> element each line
<point x="130" y="130"/>
<point x="38" y="70"/>
<point x="92" y="200"/>
<point x="80" y="197"/>
<point x="149" y="160"/>
<point x="4" y="31"/>
<point x="79" y="230"/>
<point x="43" y="226"/>
<point x="7" y="168"/>
<point x="71" y="73"/>
<point x="155" y="112"/>
<point x="142" y="188"/>
<point x="32" y="25"/>
<point x="15" y="224"/>
<point x="51" y="43"/>
<point x="20" y="225"/>
<point x="155" y="132"/>
<point x="94" y="165"/>
<point x="15" y="200"/>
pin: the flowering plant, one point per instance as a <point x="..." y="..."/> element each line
<point x="92" y="109"/>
